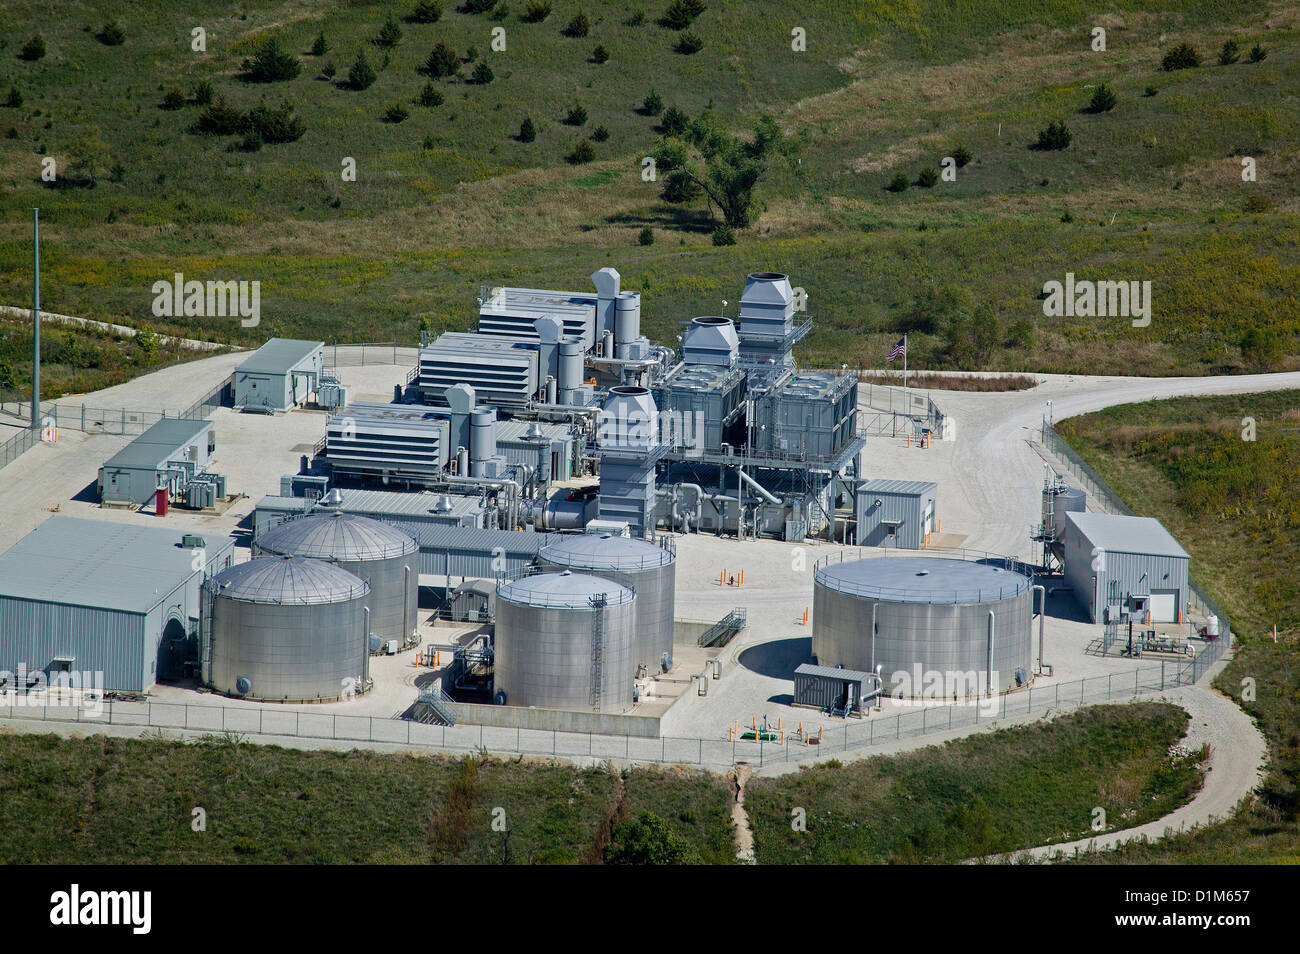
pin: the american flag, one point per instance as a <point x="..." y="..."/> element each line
<point x="898" y="350"/>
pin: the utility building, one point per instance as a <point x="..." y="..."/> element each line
<point x="167" y="456"/>
<point x="1118" y="564"/>
<point x="93" y="596"/>
<point x="280" y="375"/>
<point x="896" y="513"/>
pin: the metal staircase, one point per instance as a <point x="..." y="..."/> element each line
<point x="725" y="629"/>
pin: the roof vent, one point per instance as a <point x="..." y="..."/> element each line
<point x="333" y="498"/>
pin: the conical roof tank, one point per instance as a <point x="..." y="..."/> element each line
<point x="285" y="629"/>
<point x="385" y="557"/>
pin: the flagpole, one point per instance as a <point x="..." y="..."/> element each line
<point x="904" y="363"/>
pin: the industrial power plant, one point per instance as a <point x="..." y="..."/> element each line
<point x="501" y="536"/>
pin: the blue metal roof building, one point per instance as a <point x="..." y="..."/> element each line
<point x="121" y="599"/>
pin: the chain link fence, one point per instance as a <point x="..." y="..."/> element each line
<point x="369" y="352"/>
<point x="856" y="737"/>
<point x="1104" y="499"/>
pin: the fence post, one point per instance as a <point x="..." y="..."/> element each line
<point x="898" y="727"/>
<point x="1162" y="675"/>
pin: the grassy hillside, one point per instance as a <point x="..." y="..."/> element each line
<point x="1011" y="789"/>
<point x="449" y="198"/>
<point x="1232" y="504"/>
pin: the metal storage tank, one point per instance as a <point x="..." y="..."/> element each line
<point x="933" y="618"/>
<point x="557" y="647"/>
<point x="1058" y="501"/>
<point x="285" y="629"/>
<point x="649" y="569"/>
<point x="385" y="557"/>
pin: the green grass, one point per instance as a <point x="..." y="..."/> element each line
<point x="1007" y="790"/>
<point x="449" y="199"/>
<point x="130" y="801"/>
<point x="1232" y="504"/>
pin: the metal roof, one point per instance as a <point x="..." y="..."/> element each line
<point x="159" y="442"/>
<point x="512" y="431"/>
<point x="1121" y="534"/>
<point x="564" y="590"/>
<point x="603" y="551"/>
<point x="287" y="579"/>
<point x="336" y="535"/>
<point x="922" y="580"/>
<point x="383" y="503"/>
<point x="832" y="672"/>
<point x="905" y="488"/>
<point x="279" y="355"/>
<point x="100" y="564"/>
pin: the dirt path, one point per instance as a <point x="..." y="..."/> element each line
<point x="744" y="835"/>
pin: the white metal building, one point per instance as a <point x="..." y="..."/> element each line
<point x="281" y="374"/>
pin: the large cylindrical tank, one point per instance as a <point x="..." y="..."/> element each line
<point x="482" y="437"/>
<point x="932" y="618"/>
<point x="627" y="322"/>
<point x="650" y="570"/>
<point x="285" y="629"/>
<point x="385" y="557"/>
<point x="556" y="647"/>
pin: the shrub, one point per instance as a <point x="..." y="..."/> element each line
<point x="33" y="49"/>
<point x="202" y="93"/>
<point x="579" y="26"/>
<point x="1067" y="216"/>
<point x="1257" y="203"/>
<point x="443" y="60"/>
<point x="577" y="116"/>
<point x="390" y="34"/>
<point x="427" y="11"/>
<point x="647" y="841"/>
<point x="928" y="177"/>
<point x="471" y="54"/>
<point x="251" y="142"/>
<point x="600" y="55"/>
<point x="111" y="34"/>
<point x="396" y="113"/>
<point x="483" y="74"/>
<point x="899" y="183"/>
<point x="430" y="96"/>
<point x="962" y="156"/>
<point x="362" y="75"/>
<point x="653" y="104"/>
<point x="1181" y="57"/>
<point x="1150" y="91"/>
<point x="537" y="10"/>
<point x="173" y="99"/>
<point x="1257" y="53"/>
<point x="724" y="234"/>
<point x="1261" y="348"/>
<point x="647" y="236"/>
<point x="328" y="71"/>
<point x="319" y="46"/>
<point x="272" y="63"/>
<point x="682" y="13"/>
<point x="501" y="12"/>
<point x="477" y="6"/>
<point x="1229" y="53"/>
<point x="276" y="124"/>
<point x="600" y="134"/>
<point x="1056" y="135"/>
<point x="636" y="19"/>
<point x="14" y="99"/>
<point x="688" y="43"/>
<point x="674" y="121"/>
<point x="1103" y="99"/>
<point x="527" y="130"/>
<point x="582" y="152"/>
<point x="221" y="119"/>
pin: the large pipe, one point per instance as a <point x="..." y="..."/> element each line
<point x="759" y="487"/>
<point x="1042" y="612"/>
<point x="365" y="656"/>
<point x="406" y="602"/>
<point x="36" y="318"/>
<point x="988" y="672"/>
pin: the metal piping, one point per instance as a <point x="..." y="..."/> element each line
<point x="407" y="628"/>
<point x="1042" y="612"/>
<point x="365" y="655"/>
<point x="759" y="487"/>
<point x="988" y="672"/>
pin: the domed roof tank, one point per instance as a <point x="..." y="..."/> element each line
<point x="549" y="629"/>
<point x="647" y="568"/>
<point x="385" y="557"/>
<point x="285" y="629"/>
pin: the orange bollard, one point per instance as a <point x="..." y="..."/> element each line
<point x="742" y="577"/>
<point x="819" y="731"/>
<point x="909" y="440"/>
